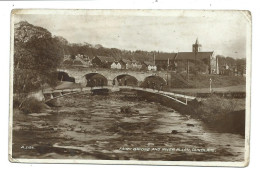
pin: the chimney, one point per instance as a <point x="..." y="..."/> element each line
<point x="153" y="58"/>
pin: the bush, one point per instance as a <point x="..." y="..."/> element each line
<point x="31" y="105"/>
<point x="224" y="115"/>
<point x="215" y="109"/>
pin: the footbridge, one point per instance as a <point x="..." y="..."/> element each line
<point x="58" y="93"/>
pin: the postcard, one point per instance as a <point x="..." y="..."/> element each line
<point x="155" y="87"/>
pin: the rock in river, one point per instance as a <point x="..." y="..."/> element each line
<point x="174" y="131"/>
<point x="128" y="110"/>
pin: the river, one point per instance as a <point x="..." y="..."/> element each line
<point x="92" y="127"/>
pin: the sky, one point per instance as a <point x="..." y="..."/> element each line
<point x="224" y="32"/>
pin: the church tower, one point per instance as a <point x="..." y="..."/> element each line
<point x="196" y="47"/>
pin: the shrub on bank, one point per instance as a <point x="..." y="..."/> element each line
<point x="31" y="105"/>
<point x="215" y="108"/>
<point x="222" y="114"/>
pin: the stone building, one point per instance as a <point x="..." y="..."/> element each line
<point x="196" y="61"/>
<point x="102" y="61"/>
<point x="164" y="61"/>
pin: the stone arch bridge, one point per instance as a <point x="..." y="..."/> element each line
<point x="80" y="75"/>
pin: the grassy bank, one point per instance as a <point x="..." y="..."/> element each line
<point x="226" y="115"/>
<point x="202" y="81"/>
<point x="195" y="91"/>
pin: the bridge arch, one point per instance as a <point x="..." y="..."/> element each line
<point x="95" y="79"/>
<point x="154" y="82"/>
<point x="125" y="80"/>
<point x="64" y="76"/>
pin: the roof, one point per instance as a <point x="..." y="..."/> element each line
<point x="126" y="61"/>
<point x="118" y="62"/>
<point x="191" y="55"/>
<point x="135" y="61"/>
<point x="148" y="63"/>
<point x="165" y="56"/>
<point x="77" y="62"/>
<point x="106" y="58"/>
<point x="122" y="62"/>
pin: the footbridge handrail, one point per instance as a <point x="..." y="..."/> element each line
<point x="69" y="91"/>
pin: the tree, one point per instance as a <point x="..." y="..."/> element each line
<point x="36" y="57"/>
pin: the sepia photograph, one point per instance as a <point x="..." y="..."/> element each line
<point x="163" y="87"/>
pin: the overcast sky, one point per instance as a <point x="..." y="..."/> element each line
<point x="222" y="32"/>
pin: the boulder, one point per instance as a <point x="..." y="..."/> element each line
<point x="174" y="132"/>
<point x="128" y="110"/>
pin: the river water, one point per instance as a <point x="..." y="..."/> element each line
<point x="92" y="127"/>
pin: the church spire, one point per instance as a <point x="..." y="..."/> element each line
<point x="197" y="41"/>
<point x="196" y="47"/>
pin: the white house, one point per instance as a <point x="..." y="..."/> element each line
<point x="152" y="67"/>
<point x="116" y="65"/>
<point x="149" y="66"/>
<point x="119" y="66"/>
